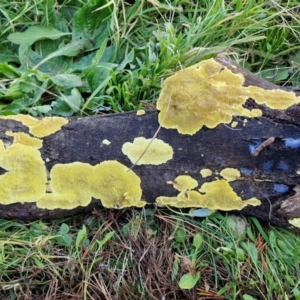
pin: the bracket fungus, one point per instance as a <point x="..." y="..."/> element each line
<point x="39" y="128"/>
<point x="147" y="151"/>
<point x="186" y="105"/>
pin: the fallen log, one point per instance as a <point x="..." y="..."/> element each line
<point x="248" y="160"/>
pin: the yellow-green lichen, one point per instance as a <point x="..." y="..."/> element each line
<point x="148" y="151"/>
<point x="39" y="128"/>
<point x="209" y="94"/>
<point x="216" y="195"/>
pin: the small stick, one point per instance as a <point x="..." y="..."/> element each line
<point x="263" y="145"/>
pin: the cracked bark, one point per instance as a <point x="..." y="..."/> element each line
<point x="271" y="175"/>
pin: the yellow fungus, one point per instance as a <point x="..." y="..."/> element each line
<point x="26" y="176"/>
<point x="147" y="151"/>
<point x="234" y="124"/>
<point x="206" y="173"/>
<point x="76" y="183"/>
<point x="230" y="174"/>
<point x="216" y="195"/>
<point x="25" y="139"/>
<point x="184" y="183"/>
<point x="295" y="222"/>
<point x="209" y="94"/>
<point x="39" y="128"/>
<point x="106" y="142"/>
<point x="116" y="186"/>
<point x="140" y="112"/>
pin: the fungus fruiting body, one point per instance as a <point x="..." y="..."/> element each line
<point x="206" y="173"/>
<point x="140" y="112"/>
<point x="184" y="182"/>
<point x="76" y="183"/>
<point x="39" y="128"/>
<point x="216" y="195"/>
<point x="295" y="222"/>
<point x="26" y="176"/>
<point x="147" y="151"/>
<point x="230" y="174"/>
<point x="186" y="105"/>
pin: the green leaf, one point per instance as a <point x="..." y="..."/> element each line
<point x="82" y="233"/>
<point x="67" y="80"/>
<point x="197" y="241"/>
<point x="9" y="71"/>
<point x="91" y="22"/>
<point x="39" y="110"/>
<point x="98" y="75"/>
<point x="71" y="49"/>
<point x="7" y="55"/>
<point x="180" y="235"/>
<point x="36" y="33"/>
<point x="188" y="281"/>
<point x="64" y="228"/>
<point x="74" y="100"/>
<point x="106" y="238"/>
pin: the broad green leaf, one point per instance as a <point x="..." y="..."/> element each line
<point x="180" y="235"/>
<point x="9" y="71"/>
<point x="67" y="80"/>
<point x="7" y="55"/>
<point x="74" y="100"/>
<point x="98" y="74"/>
<point x="197" y="241"/>
<point x="36" y="33"/>
<point x="71" y="49"/>
<point x="64" y="228"/>
<point x="61" y="108"/>
<point x="188" y="281"/>
<point x="91" y="22"/>
<point x="39" y="110"/>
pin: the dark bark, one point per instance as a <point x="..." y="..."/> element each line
<point x="80" y="140"/>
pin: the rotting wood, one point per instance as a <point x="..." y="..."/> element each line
<point x="272" y="176"/>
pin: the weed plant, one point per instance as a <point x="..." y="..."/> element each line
<point x="77" y="57"/>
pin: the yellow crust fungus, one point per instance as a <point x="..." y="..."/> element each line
<point x="230" y="174"/>
<point x="295" y="222"/>
<point x="140" y="112"/>
<point x="148" y="151"/>
<point x="25" y="139"/>
<point x="205" y="173"/>
<point x="184" y="182"/>
<point x="26" y="176"/>
<point x="217" y="195"/>
<point x="39" y="128"/>
<point x="76" y="183"/>
<point x="116" y="185"/>
<point x="209" y="94"/>
<point x="106" y="142"/>
<point x="234" y="124"/>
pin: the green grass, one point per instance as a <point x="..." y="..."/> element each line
<point x="147" y="254"/>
